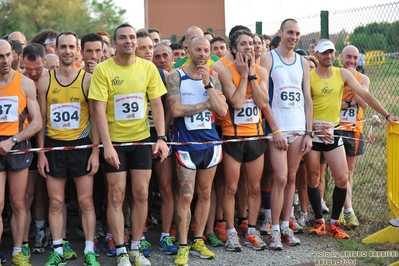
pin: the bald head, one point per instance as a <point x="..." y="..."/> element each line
<point x="4" y="44"/>
<point x="192" y="32"/>
<point x="18" y="36"/>
<point x="195" y="40"/>
<point x="350" y="49"/>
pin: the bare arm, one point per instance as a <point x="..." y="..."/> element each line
<point x="365" y="95"/>
<point x="42" y="163"/>
<point x="307" y="141"/>
<point x="173" y="98"/>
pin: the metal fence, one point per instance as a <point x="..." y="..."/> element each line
<point x="375" y="29"/>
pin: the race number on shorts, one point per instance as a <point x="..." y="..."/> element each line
<point x="65" y="115"/>
<point x="248" y="114"/>
<point x="8" y="109"/>
<point x="129" y="107"/>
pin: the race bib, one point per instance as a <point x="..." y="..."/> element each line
<point x="199" y="121"/>
<point x="65" y="115"/>
<point x="290" y="97"/>
<point x="150" y="119"/>
<point x="248" y="114"/>
<point x="349" y="115"/>
<point x="129" y="107"/>
<point x="8" y="109"/>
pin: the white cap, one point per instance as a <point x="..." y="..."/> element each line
<point x="324" y="46"/>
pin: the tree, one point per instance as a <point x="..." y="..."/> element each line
<point x="80" y="16"/>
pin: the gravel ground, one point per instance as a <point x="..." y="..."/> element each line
<point x="305" y="254"/>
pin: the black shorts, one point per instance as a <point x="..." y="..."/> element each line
<point x="245" y="151"/>
<point x="69" y="163"/>
<point x="328" y="147"/>
<point x="202" y="159"/>
<point x="137" y="157"/>
<point x="353" y="143"/>
<point x="16" y="162"/>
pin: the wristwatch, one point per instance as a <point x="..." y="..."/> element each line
<point x="349" y="102"/>
<point x="310" y="133"/>
<point x="210" y="85"/>
<point x="164" y="138"/>
<point x="15" y="139"/>
<point x="252" y="77"/>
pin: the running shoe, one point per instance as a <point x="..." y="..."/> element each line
<point x="40" y="241"/>
<point x="221" y="231"/>
<point x="198" y="248"/>
<point x="351" y="220"/>
<point x="242" y="228"/>
<point x="294" y="226"/>
<point x="336" y="231"/>
<point x="233" y="242"/>
<point x="182" y="256"/>
<point x="90" y="259"/>
<point x="20" y="260"/>
<point x="319" y="228"/>
<point x="145" y="248"/>
<point x="2" y="257"/>
<point x="213" y="240"/>
<point x="99" y="229"/>
<point x="69" y="254"/>
<point x="324" y="208"/>
<point x="26" y="251"/>
<point x="254" y="241"/>
<point x="56" y="259"/>
<point x="342" y="217"/>
<point x="275" y="241"/>
<point x="288" y="238"/>
<point x="266" y="227"/>
<point x="96" y="247"/>
<point x="167" y="246"/>
<point x="123" y="260"/>
<point x="302" y="219"/>
<point x="137" y="258"/>
<point x="109" y="247"/>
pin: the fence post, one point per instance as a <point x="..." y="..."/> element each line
<point x="324" y="33"/>
<point x="209" y="29"/>
<point x="258" y="27"/>
<point x="173" y="38"/>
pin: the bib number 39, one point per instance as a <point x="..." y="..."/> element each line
<point x="129" y="107"/>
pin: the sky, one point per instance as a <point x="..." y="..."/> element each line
<point x="246" y="12"/>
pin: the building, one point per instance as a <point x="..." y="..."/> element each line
<point x="173" y="17"/>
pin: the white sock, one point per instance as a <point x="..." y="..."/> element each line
<point x="39" y="224"/>
<point x="233" y="230"/>
<point x="285" y="224"/>
<point x="59" y="250"/>
<point x="121" y="250"/>
<point x="134" y="245"/>
<point x="333" y="221"/>
<point x="348" y="210"/>
<point x="275" y="227"/>
<point x="268" y="214"/>
<point x="163" y="235"/>
<point x="89" y="247"/>
<point x="15" y="250"/>
<point x="292" y="212"/>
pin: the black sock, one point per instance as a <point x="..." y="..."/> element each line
<point x="315" y="201"/>
<point x="240" y="219"/>
<point x="339" y="196"/>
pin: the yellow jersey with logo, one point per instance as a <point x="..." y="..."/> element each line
<point x="13" y="110"/>
<point x="327" y="95"/>
<point x="67" y="109"/>
<point x="126" y="90"/>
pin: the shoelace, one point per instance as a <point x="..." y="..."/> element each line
<point x="168" y="241"/>
<point x="145" y="244"/>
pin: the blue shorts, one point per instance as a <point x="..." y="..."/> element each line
<point x="202" y="159"/>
